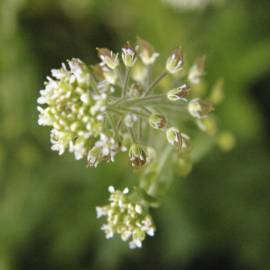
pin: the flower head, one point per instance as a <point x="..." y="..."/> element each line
<point x="126" y="217"/>
<point x="68" y="105"/>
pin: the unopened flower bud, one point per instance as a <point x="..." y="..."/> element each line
<point x="128" y="55"/>
<point x="175" y="61"/>
<point x="108" y="57"/>
<point x="199" y="109"/>
<point x="137" y="155"/>
<point x="197" y="71"/>
<point x="146" y="52"/>
<point x="157" y="121"/>
<point x="178" y="93"/>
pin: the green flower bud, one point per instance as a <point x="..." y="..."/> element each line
<point x="178" y="93"/>
<point x="175" y="61"/>
<point x="157" y="121"/>
<point x="137" y="155"/>
<point x="108" y="57"/>
<point x="128" y="55"/>
<point x="199" y="109"/>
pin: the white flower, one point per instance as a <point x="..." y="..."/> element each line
<point x="126" y="218"/>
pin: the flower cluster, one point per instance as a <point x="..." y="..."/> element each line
<point x="115" y="106"/>
<point x="126" y="217"/>
<point x="75" y="114"/>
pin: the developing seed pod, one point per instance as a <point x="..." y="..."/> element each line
<point x="175" y="61"/>
<point x="199" y="109"/>
<point x="108" y="57"/>
<point x="137" y="155"/>
<point x="178" y="93"/>
<point x="128" y="55"/>
<point x="157" y="121"/>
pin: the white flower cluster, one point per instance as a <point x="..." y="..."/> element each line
<point x="96" y="112"/>
<point x="127" y="218"/>
<point x="72" y="108"/>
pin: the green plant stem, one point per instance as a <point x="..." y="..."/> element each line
<point x="124" y="111"/>
<point x="154" y="83"/>
<point x="131" y="132"/>
<point x="124" y="89"/>
<point x="130" y="101"/>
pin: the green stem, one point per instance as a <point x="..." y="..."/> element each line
<point x="112" y="124"/>
<point x="123" y="111"/>
<point x="131" y="132"/>
<point x="155" y="82"/>
<point x="124" y="90"/>
<point x="130" y="101"/>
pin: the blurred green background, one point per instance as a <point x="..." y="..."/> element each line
<point x="216" y="218"/>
